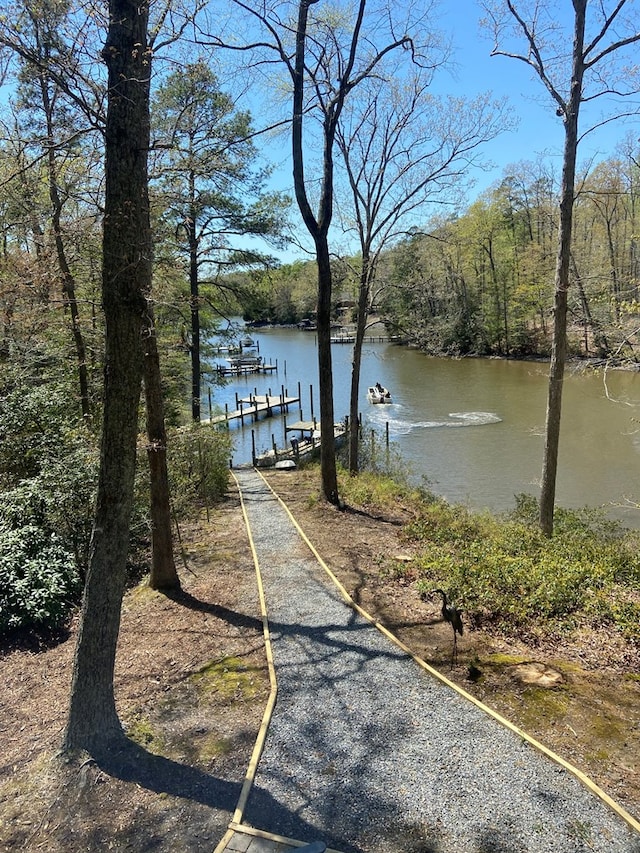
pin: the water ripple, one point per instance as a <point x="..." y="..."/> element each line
<point x="399" y="426"/>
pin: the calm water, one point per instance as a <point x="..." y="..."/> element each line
<point x="472" y="428"/>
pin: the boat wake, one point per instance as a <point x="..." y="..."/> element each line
<point x="398" y="426"/>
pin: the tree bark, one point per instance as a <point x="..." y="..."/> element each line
<point x="559" y="341"/>
<point x="318" y="229"/>
<point x="194" y="289"/>
<point x="93" y="722"/>
<point x="68" y="281"/>
<point x="163" y="568"/>
<point x="361" y="325"/>
<point x="328" y="470"/>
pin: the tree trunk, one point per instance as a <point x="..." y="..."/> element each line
<point x="194" y="286"/>
<point x="328" y="469"/>
<point x="361" y="324"/>
<point x="163" y="568"/>
<point x="93" y="722"/>
<point x="68" y="281"/>
<point x="559" y="342"/>
<point x="318" y="229"/>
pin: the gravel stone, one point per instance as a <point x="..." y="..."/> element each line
<point x="372" y="754"/>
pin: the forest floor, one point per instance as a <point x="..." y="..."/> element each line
<point x="191" y="687"/>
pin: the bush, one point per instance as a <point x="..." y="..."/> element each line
<point x="39" y="581"/>
<point x="48" y="472"/>
<point x="198" y="461"/>
<point x="48" y="467"/>
<point x="504" y="571"/>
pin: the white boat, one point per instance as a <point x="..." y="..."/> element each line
<point x="378" y="394"/>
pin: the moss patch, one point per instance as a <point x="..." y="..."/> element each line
<point x="141" y="731"/>
<point x="229" y="677"/>
<point x="501" y="660"/>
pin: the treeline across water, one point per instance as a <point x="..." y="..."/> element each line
<point x="481" y="281"/>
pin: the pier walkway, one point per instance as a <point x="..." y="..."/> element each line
<point x="253" y="406"/>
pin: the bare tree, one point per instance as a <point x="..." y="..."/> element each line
<point x="592" y="69"/>
<point x="327" y="52"/>
<point x="402" y="149"/>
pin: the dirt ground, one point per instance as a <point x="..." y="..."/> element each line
<point x="192" y="684"/>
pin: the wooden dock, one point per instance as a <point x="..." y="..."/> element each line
<point x="253" y="406"/>
<point x="244" y="369"/>
<point x="302" y="448"/>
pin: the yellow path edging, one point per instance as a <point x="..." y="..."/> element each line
<point x="582" y="777"/>
<point x="243" y="829"/>
<point x="236" y="820"/>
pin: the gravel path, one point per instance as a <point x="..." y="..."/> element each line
<point x="372" y="754"/>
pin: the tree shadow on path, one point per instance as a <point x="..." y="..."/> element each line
<point x="130" y="762"/>
<point x="232" y="617"/>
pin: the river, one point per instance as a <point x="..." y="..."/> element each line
<point x="471" y="429"/>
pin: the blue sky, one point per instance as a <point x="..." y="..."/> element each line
<point x="539" y="130"/>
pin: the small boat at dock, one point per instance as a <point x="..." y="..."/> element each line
<point x="303" y="447"/>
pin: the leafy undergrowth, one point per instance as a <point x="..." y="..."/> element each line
<point x="503" y="572"/>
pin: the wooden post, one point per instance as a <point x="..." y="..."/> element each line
<point x="311" y="399"/>
<point x="387" y="448"/>
<point x="253" y="447"/>
<point x="241" y="407"/>
<point x="210" y="406"/>
<point x="226" y="411"/>
<point x="275" y="448"/>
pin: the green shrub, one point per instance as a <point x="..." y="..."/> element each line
<point x="198" y="461"/>
<point x="39" y="581"/>
<point x="504" y="571"/>
<point x="48" y="466"/>
<point x="48" y="474"/>
<point x="376" y="457"/>
<point x="369" y="489"/>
